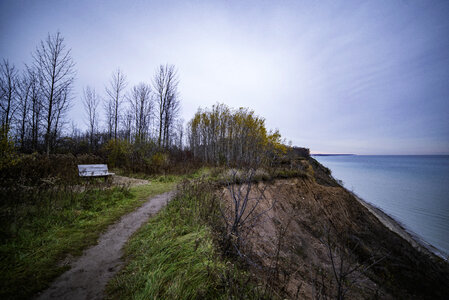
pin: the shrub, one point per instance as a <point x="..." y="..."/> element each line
<point x="159" y="161"/>
<point x="117" y="153"/>
<point x="22" y="180"/>
<point x="8" y="154"/>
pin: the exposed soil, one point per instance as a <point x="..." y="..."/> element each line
<point x="90" y="273"/>
<point x="289" y="241"/>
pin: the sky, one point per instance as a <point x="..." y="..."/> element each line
<point x="363" y="77"/>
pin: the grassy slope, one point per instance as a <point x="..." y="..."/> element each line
<point x="29" y="260"/>
<point x="174" y="255"/>
<point x="171" y="257"/>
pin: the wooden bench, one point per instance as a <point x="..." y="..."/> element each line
<point x="94" y="171"/>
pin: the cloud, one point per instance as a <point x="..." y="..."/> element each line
<point x="346" y="76"/>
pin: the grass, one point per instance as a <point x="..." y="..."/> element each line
<point x="171" y="257"/>
<point x="174" y="255"/>
<point x="40" y="236"/>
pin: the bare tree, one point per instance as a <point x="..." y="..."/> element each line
<point x="127" y="118"/>
<point x="115" y="93"/>
<point x="142" y="108"/>
<point x="179" y="133"/>
<point x="36" y="107"/>
<point x="8" y="82"/>
<point x="61" y="108"/>
<point x="24" y="94"/>
<point x="56" y="71"/>
<point x="91" y="101"/>
<point x="171" y="115"/>
<point x="109" y="110"/>
<point x="165" y="84"/>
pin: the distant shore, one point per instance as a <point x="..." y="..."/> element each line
<point x="337" y="154"/>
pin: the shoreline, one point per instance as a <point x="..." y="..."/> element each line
<point x="395" y="226"/>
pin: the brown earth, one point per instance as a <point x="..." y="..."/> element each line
<point x="302" y="219"/>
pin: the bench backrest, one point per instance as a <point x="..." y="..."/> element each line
<point x="92" y="170"/>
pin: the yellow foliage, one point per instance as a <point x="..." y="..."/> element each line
<point x="117" y="152"/>
<point x="224" y="135"/>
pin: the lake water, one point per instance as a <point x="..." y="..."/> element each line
<point x="412" y="189"/>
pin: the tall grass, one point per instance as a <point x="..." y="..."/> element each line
<point x="56" y="222"/>
<point x="176" y="254"/>
<point x="172" y="257"/>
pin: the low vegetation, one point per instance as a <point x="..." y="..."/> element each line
<point x="176" y="255"/>
<point x="58" y="224"/>
<point x="307" y="237"/>
<point x="249" y="219"/>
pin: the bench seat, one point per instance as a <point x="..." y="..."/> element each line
<point x="93" y="171"/>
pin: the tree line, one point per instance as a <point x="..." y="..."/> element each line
<point x="138" y="123"/>
<point x="35" y="101"/>
<point x="222" y="135"/>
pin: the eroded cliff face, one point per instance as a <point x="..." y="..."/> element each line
<point x="312" y="238"/>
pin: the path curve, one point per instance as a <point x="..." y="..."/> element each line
<point x="89" y="274"/>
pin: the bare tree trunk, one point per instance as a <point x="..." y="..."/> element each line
<point x="165" y="84"/>
<point x="56" y="73"/>
<point x="8" y="81"/>
<point x="24" y="90"/>
<point x="91" y="101"/>
<point x="142" y="109"/>
<point x="59" y="110"/>
<point x="115" y="92"/>
<point x="109" y="118"/>
<point x="35" y="109"/>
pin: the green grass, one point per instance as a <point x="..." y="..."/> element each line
<point x="174" y="255"/>
<point x="171" y="257"/>
<point x="40" y="236"/>
<point x="168" y="265"/>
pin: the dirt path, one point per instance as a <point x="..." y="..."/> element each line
<point x="89" y="274"/>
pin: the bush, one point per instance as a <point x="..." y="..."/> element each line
<point x="22" y="180"/>
<point x="117" y="153"/>
<point x="159" y="161"/>
<point x="8" y="154"/>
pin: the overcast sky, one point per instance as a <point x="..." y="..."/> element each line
<point x="338" y="77"/>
